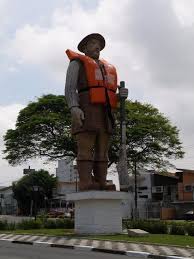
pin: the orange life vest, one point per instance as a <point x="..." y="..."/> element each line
<point x="102" y="85"/>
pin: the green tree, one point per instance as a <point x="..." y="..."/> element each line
<point x="151" y="138"/>
<point x="43" y="130"/>
<point x="23" y="189"/>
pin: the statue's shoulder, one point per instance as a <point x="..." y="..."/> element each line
<point x="75" y="63"/>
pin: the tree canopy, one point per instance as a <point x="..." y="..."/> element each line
<point x="151" y="138"/>
<point x="23" y="189"/>
<point x="43" y="130"/>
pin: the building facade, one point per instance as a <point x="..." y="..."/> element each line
<point x="185" y="200"/>
<point x="67" y="182"/>
<point x="155" y="192"/>
<point x="8" y="205"/>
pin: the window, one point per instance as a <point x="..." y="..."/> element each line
<point x="143" y="188"/>
<point x="143" y="196"/>
<point x="188" y="188"/>
<point x="157" y="189"/>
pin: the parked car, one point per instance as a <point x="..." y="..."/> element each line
<point x="189" y="215"/>
<point x="55" y="214"/>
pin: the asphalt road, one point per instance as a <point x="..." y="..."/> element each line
<point x="20" y="251"/>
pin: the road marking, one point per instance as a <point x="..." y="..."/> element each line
<point x="22" y="238"/>
<point x="108" y="245"/>
<point x="72" y="241"/>
<point x="83" y="242"/>
<point x="96" y="243"/>
<point x="122" y="246"/>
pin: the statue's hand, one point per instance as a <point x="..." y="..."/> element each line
<point x="77" y="116"/>
<point x="123" y="92"/>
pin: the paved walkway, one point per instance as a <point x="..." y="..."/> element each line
<point x="108" y="245"/>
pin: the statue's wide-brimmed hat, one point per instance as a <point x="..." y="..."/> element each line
<point x="84" y="41"/>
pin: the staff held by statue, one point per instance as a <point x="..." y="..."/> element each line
<point x="122" y="163"/>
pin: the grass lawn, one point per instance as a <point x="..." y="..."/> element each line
<point x="186" y="241"/>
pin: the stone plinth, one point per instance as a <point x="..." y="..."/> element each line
<point x="137" y="233"/>
<point x="97" y="212"/>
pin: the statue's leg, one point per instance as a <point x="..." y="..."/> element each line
<point x="84" y="168"/>
<point x="101" y="161"/>
<point x="85" y="146"/>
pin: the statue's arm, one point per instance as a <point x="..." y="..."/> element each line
<point x="71" y="93"/>
<point x="71" y="84"/>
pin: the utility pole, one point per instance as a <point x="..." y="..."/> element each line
<point x="135" y="173"/>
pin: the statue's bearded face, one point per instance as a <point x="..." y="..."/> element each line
<point x="92" y="48"/>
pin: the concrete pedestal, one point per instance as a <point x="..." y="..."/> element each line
<point x="98" y="212"/>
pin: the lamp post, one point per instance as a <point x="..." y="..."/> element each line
<point x="1" y="203"/>
<point x="45" y="203"/>
<point x="35" y="190"/>
<point x="76" y="176"/>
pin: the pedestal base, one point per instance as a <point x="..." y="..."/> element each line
<point x="97" y="212"/>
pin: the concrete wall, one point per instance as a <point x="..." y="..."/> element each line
<point x="183" y="195"/>
<point x="167" y="213"/>
<point x="65" y="187"/>
<point x="8" y="205"/>
<point x="66" y="171"/>
<point x="127" y="206"/>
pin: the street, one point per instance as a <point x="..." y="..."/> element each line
<point x="19" y="251"/>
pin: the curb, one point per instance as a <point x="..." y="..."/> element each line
<point x="123" y="241"/>
<point x="94" y="249"/>
<point x="167" y="257"/>
<point x="143" y="243"/>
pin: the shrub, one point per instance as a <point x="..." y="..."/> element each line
<point x="69" y="223"/>
<point x="176" y="229"/>
<point x="30" y="224"/>
<point x="59" y="223"/>
<point x="3" y="225"/>
<point x="43" y="218"/>
<point x="190" y="229"/>
<point x="134" y="224"/>
<point x="155" y="227"/>
<point x="50" y="224"/>
<point x="11" y="226"/>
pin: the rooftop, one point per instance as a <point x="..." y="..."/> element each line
<point x="185" y="170"/>
<point x="3" y="188"/>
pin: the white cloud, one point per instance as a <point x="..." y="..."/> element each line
<point x="45" y="46"/>
<point x="166" y="46"/>
<point x="185" y="11"/>
<point x="148" y="34"/>
<point x="3" y="18"/>
<point x="8" y="115"/>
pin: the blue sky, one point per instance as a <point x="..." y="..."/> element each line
<point x="150" y="42"/>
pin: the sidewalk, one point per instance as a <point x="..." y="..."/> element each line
<point x="129" y="249"/>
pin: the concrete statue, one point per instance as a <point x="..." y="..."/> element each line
<point x="91" y="93"/>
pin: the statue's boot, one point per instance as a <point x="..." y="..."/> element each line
<point x="100" y="173"/>
<point x="84" y="168"/>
